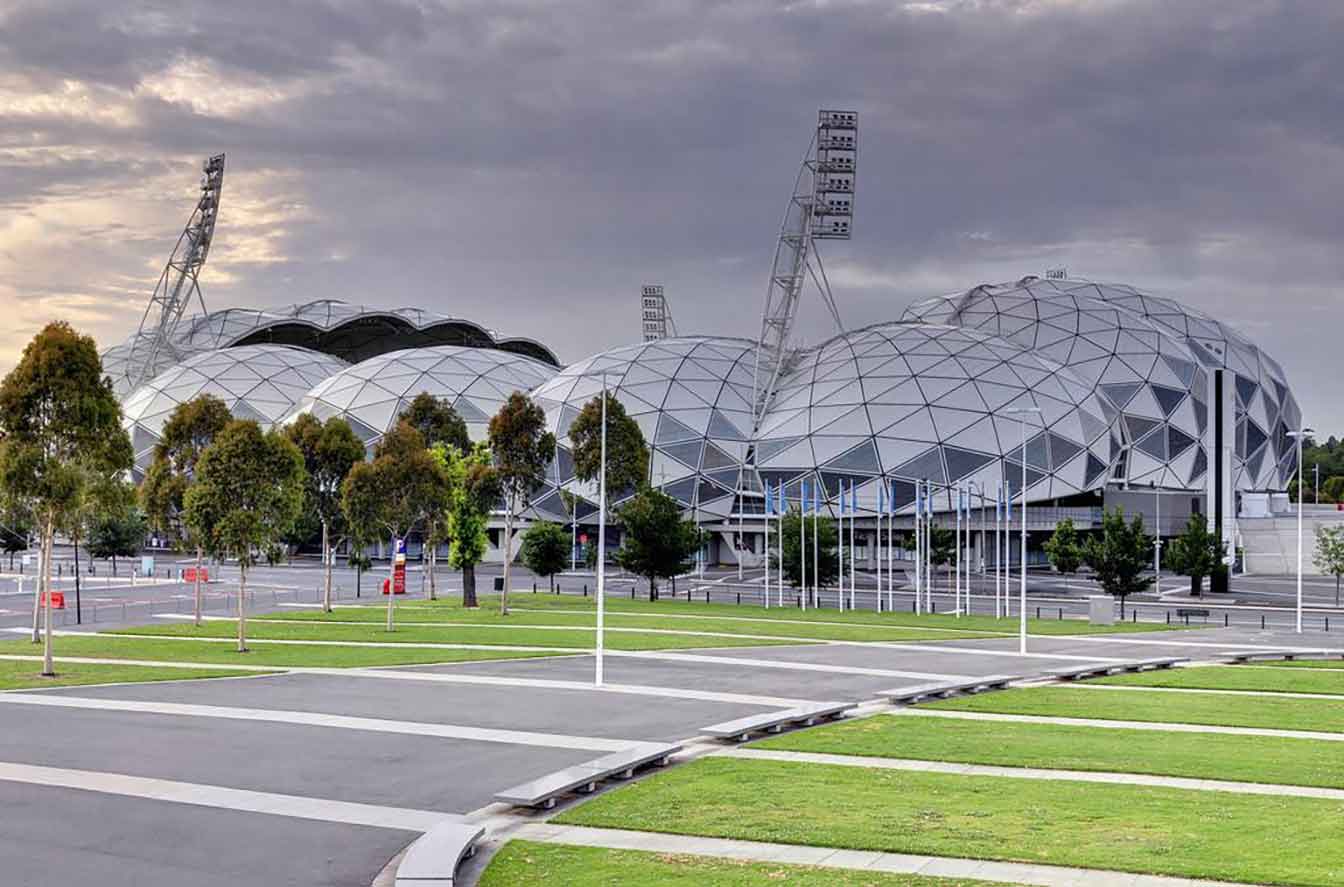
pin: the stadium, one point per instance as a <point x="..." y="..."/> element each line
<point x="1127" y="385"/>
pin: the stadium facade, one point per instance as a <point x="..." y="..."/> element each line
<point x="1138" y="397"/>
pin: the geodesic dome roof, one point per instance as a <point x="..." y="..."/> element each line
<point x="692" y="399"/>
<point x="911" y="401"/>
<point x="371" y="394"/>
<point x="260" y="382"/>
<point x="350" y="332"/>
<point x="1145" y="356"/>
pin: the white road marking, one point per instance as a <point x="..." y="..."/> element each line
<point x="317" y="719"/>
<point x="199" y="795"/>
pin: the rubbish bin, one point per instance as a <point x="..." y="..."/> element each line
<point x="499" y="583"/>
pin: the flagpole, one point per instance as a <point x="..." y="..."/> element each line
<point x="765" y="548"/>
<point x="840" y="550"/>
<point x="780" y="542"/>
<point x="853" y="548"/>
<point x="816" y="546"/>
<point x="802" y="544"/>
<point x="891" y="548"/>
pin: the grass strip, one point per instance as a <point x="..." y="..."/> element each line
<point x="969" y="625"/>
<point x="579" y="639"/>
<point x="1261" y="759"/>
<point x="105" y="646"/>
<point x="1302" y="663"/>
<point x="15" y="675"/>
<point x="1183" y="833"/>
<point x="786" y="632"/>
<point x="529" y="862"/>
<point x="1267" y="712"/>
<point x="1236" y="677"/>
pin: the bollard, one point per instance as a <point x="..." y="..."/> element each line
<point x="585" y="589"/>
<point x="739" y="600"/>
<point x="1262" y="621"/>
<point x="912" y="606"/>
<point x="706" y="595"/>
<point x="1061" y="614"/>
<point x="1168" y="617"/>
<point x="1225" y="622"/>
<point x="1038" y="613"/>
<point x="632" y="592"/>
<point x="1187" y="619"/>
<point x="1134" y="615"/>
<point x="534" y="588"/>
<point x="798" y="602"/>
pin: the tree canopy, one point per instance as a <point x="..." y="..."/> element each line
<point x="1065" y="548"/>
<point x="61" y="426"/>
<point x="790" y="526"/>
<point x="1119" y="555"/>
<point x="627" y="453"/>
<point x="1329" y="554"/>
<point x="545" y="549"/>
<point x="437" y="422"/>
<point x="1197" y="552"/>
<point x="329" y="450"/>
<point x="521" y="448"/>
<point x="473" y="490"/>
<point x="658" y="543"/>
<point x="113" y="525"/>
<point x="247" y="493"/>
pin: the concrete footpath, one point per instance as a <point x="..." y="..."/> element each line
<point x="861" y="860"/>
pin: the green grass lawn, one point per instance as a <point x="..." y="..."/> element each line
<point x="1302" y="663"/>
<point x="578" y="639"/>
<point x="15" y="675"/>
<point x="1236" y="677"/>
<point x="105" y="646"/>
<point x="938" y="625"/>
<point x="528" y="862"/>
<point x="420" y="615"/>
<point x="1195" y="834"/>
<point x="1167" y="708"/>
<point x="1282" y="761"/>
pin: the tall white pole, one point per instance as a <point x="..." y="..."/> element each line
<point x="928" y="548"/>
<point x="780" y="542"/>
<point x="602" y="539"/>
<point x="891" y="553"/>
<point x="998" y="553"/>
<point x="877" y="541"/>
<point x="802" y="545"/>
<point x="1022" y="616"/>
<point x="1157" y="536"/>
<point x="840" y="549"/>
<point x="919" y="548"/>
<point x="854" y="565"/>
<point x="1299" y="532"/>
<point x="956" y="563"/>
<point x="816" y="553"/>
<point x="765" y="547"/>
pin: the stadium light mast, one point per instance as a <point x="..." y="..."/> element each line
<point x="153" y="343"/>
<point x="655" y="316"/>
<point x="821" y="208"/>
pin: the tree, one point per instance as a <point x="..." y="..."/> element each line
<point x="522" y="448"/>
<point x="115" y="527"/>
<point x="1119" y="556"/>
<point x="385" y="498"/>
<point x="1332" y="489"/>
<point x="61" y="424"/>
<point x="473" y="490"/>
<point x="658" y="542"/>
<point x="1197" y="552"/>
<point x="1065" y="549"/>
<point x="1329" y="556"/>
<point x="627" y="453"/>
<point x="942" y="546"/>
<point x="440" y="425"/>
<point x="437" y="422"/>
<point x="790" y="527"/>
<point x="190" y="429"/>
<point x="246" y="494"/>
<point x="329" y="449"/>
<point x="545" y="549"/>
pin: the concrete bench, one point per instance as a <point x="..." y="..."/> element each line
<point x="925" y="692"/>
<point x="1156" y="664"/>
<point x="773" y="722"/>
<point x="433" y="859"/>
<point x="1278" y="655"/>
<point x="584" y="778"/>
<point x="1081" y="672"/>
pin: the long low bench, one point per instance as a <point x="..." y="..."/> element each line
<point x="1082" y="672"/>
<point x="942" y="690"/>
<point x="433" y="859"/>
<point x="1280" y="655"/>
<point x="773" y="722"/>
<point x="583" y="778"/>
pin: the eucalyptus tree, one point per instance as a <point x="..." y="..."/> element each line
<point x="521" y="448"/>
<point x="329" y="449"/>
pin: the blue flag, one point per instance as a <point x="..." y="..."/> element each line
<point x="802" y="496"/>
<point x="769" y="500"/>
<point x="882" y="499"/>
<point x="853" y="497"/>
<point x="816" y="498"/>
<point x="1007" y="501"/>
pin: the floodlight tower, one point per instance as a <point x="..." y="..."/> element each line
<point x="656" y="316"/>
<point x="821" y="208"/>
<point x="153" y="343"/>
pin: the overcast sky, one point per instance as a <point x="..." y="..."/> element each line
<point x="530" y="164"/>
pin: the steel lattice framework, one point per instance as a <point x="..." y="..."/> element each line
<point x="153" y="347"/>
<point x="821" y="208"/>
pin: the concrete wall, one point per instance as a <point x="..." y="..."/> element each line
<point x="1271" y="543"/>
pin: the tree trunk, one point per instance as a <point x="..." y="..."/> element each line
<point x="433" y="556"/>
<point x="326" y="568"/>
<point x="242" y="605"/>
<point x="37" y="590"/>
<point x="653" y="591"/>
<point x="508" y="560"/>
<point x="391" y="582"/>
<point x="469" y="587"/>
<point x="1122" y="608"/>
<point x="114" y="565"/>
<point x="552" y="583"/>
<point x="48" y="666"/>
<point x="1336" y="589"/>
<point x="196" y="590"/>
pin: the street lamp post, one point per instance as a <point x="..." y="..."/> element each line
<point x="1157" y="536"/>
<point x="601" y="538"/>
<point x="1021" y="413"/>
<point x="1299" y="435"/>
